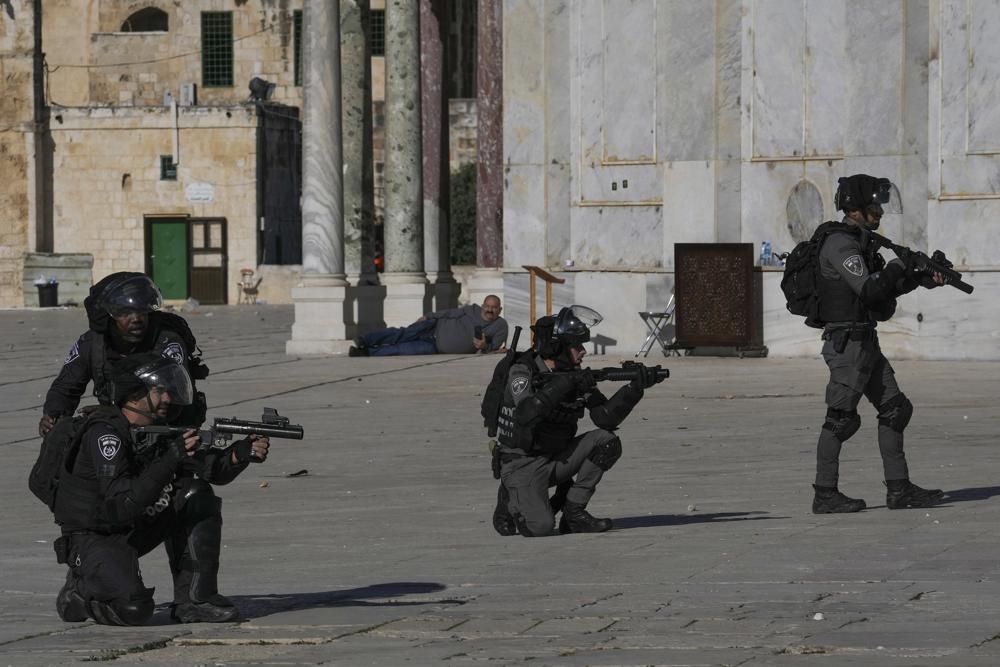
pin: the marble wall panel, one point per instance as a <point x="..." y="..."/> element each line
<point x="967" y="231"/>
<point x="874" y="63"/>
<point x="778" y="117"/>
<point x="629" y="80"/>
<point x="524" y="211"/>
<point x="984" y="76"/>
<point x="524" y="82"/>
<point x="688" y="206"/>
<point x="628" y="237"/>
<point x="558" y="57"/>
<point x="619" y="297"/>
<point x="686" y="92"/>
<point x="558" y="201"/>
<point x="826" y="77"/>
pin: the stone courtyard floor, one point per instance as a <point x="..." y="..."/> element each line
<point x="382" y="551"/>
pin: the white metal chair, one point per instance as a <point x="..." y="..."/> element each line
<point x="656" y="322"/>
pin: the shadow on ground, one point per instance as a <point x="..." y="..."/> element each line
<point x="379" y="595"/>
<point x="682" y="519"/>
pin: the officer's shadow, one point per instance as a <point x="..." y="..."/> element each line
<point x="968" y="495"/>
<point x="655" y="520"/>
<point x="378" y="595"/>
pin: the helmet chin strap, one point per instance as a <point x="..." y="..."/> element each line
<point x="150" y="414"/>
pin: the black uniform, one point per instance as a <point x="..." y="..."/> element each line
<point x="857" y="289"/>
<point x="540" y="448"/>
<point x="116" y="504"/>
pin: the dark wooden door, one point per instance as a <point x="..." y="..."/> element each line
<point x="208" y="260"/>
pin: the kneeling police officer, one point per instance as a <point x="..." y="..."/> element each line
<point x="546" y="394"/>
<point x="115" y="503"/>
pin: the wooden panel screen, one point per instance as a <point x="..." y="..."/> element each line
<point x="716" y="301"/>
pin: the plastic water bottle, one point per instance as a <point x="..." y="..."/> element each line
<point x="765" y="253"/>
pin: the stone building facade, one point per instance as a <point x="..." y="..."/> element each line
<point x="629" y="127"/>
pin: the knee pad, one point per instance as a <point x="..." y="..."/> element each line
<point x="196" y="498"/>
<point x="896" y="413"/>
<point x="605" y="454"/>
<point x="842" y="423"/>
<point x="533" y="529"/>
<point x="135" y="611"/>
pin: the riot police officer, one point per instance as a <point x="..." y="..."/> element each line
<point x="123" y="311"/>
<point x="856" y="290"/>
<point x="546" y="394"/>
<point x="116" y="502"/>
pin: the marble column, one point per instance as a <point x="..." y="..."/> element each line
<point x="359" y="205"/>
<point x="323" y="321"/>
<point x="489" y="139"/>
<point x="408" y="294"/>
<point x="434" y="113"/>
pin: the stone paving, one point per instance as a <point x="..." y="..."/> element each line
<point x="382" y="553"/>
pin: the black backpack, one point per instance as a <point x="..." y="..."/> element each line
<point x="58" y="452"/>
<point x="493" y="396"/>
<point x="800" y="283"/>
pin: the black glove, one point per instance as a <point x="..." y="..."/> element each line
<point x="585" y="380"/>
<point x="645" y="376"/>
<point x="242" y="450"/>
<point x="45" y="424"/>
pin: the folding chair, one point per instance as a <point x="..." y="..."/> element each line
<point x="656" y="322"/>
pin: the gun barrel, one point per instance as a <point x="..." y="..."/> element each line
<point x="613" y="374"/>
<point x="240" y="427"/>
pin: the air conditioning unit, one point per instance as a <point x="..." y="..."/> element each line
<point x="189" y="94"/>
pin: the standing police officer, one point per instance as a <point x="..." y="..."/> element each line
<point x="545" y="396"/>
<point x="856" y="290"/>
<point x="123" y="313"/>
<point x="116" y="503"/>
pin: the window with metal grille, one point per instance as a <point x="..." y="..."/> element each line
<point x="297" y="29"/>
<point x="378" y="32"/>
<point x="216" y="49"/>
<point x="168" y="170"/>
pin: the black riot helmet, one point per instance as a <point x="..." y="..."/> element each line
<point x="131" y="292"/>
<point x="554" y="335"/>
<point x="862" y="192"/>
<point x="149" y="372"/>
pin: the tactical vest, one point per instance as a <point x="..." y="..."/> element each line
<point x="548" y="437"/>
<point x="837" y="301"/>
<point x="78" y="499"/>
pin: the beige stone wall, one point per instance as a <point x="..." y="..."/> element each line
<point x="16" y="114"/>
<point x="128" y="69"/>
<point x="107" y="180"/>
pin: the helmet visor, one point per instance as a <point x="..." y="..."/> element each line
<point x="886" y="197"/>
<point x="575" y="321"/>
<point x="137" y="294"/>
<point x="168" y="377"/>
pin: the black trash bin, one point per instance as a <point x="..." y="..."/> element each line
<point x="48" y="295"/>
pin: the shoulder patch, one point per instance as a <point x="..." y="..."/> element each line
<point x="854" y="265"/>
<point x="74" y="352"/>
<point x="518" y="385"/>
<point x="109" y="445"/>
<point x="174" y="351"/>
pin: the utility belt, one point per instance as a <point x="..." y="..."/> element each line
<point x="839" y="335"/>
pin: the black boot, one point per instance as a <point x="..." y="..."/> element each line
<point x="70" y="605"/>
<point x="576" y="519"/>
<point x="194" y="564"/>
<point x="902" y="493"/>
<point x="828" y="500"/>
<point x="503" y="522"/>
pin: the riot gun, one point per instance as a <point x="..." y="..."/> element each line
<point x="221" y="432"/>
<point x="936" y="263"/>
<point x="629" y="371"/>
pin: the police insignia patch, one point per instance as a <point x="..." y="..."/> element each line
<point x="74" y="352"/>
<point x="174" y="351"/>
<point x="854" y="265"/>
<point x="109" y="445"/>
<point x="519" y="385"/>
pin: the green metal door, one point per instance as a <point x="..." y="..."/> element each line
<point x="168" y="259"/>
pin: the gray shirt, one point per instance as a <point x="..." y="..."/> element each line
<point x="455" y="328"/>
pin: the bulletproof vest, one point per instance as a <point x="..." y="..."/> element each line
<point x="77" y="498"/>
<point x="550" y="436"/>
<point x="837" y="301"/>
<point x="508" y="432"/>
